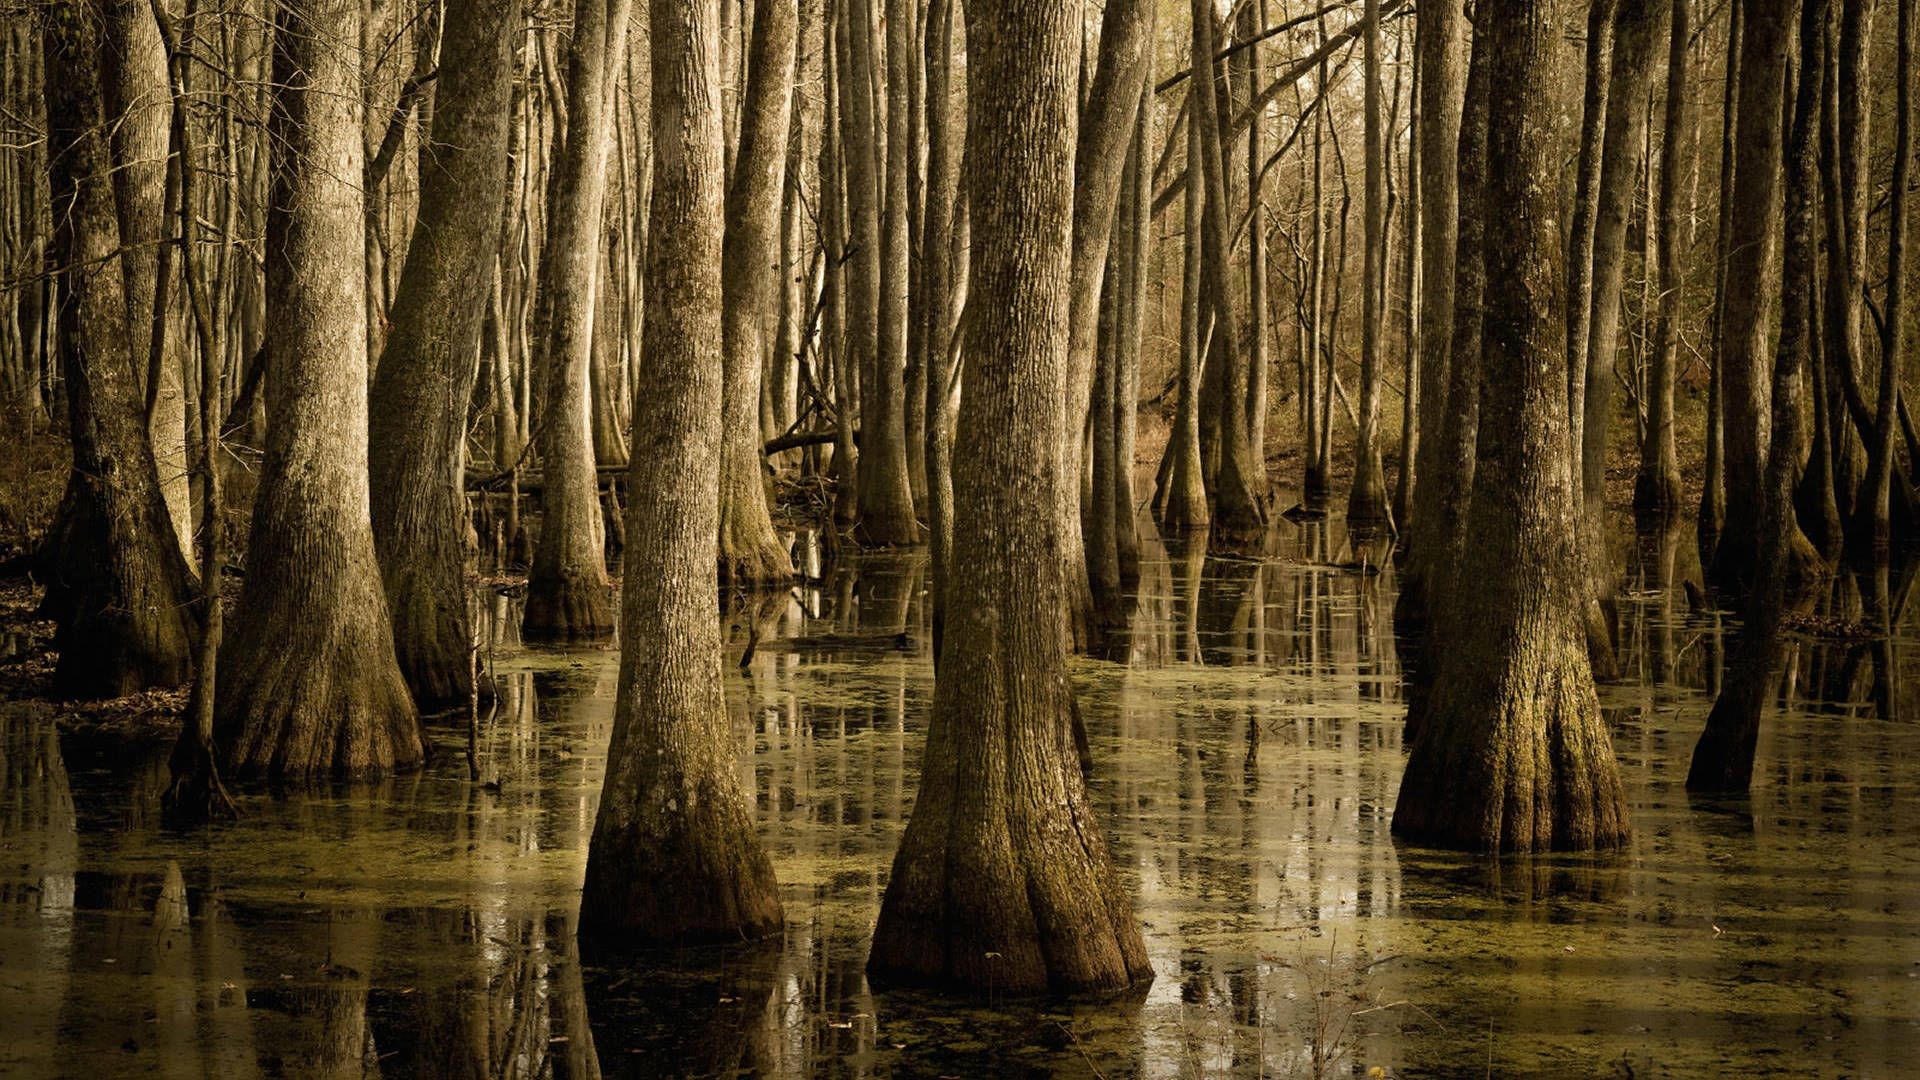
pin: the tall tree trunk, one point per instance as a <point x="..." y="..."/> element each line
<point x="1752" y="280"/>
<point x="1656" y="491"/>
<point x="1586" y="209"/>
<point x="567" y="594"/>
<point x="1367" y="501"/>
<point x="1003" y="878"/>
<point x="1789" y="570"/>
<point x="427" y="371"/>
<point x="1138" y="225"/>
<point x="750" y="550"/>
<point x="1182" y="499"/>
<point x="1442" y="91"/>
<point x="942" y="194"/>
<point x="1514" y="755"/>
<point x="674" y="859"/>
<point x="117" y="585"/>
<point x="310" y="684"/>
<point x="1844" y="135"/>
<point x="886" y="494"/>
<point x="1874" y="520"/>
<point x="1713" y="484"/>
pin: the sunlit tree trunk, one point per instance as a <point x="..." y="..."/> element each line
<point x="750" y="550"/>
<point x="567" y="594"/>
<point x="1367" y="501"/>
<point x="1003" y="878"/>
<point x="427" y="371"/>
<point x="1874" y="520"/>
<point x="1513" y="754"/>
<point x="674" y="859"/>
<point x="118" y="587"/>
<point x="1182" y="499"/>
<point x="309" y="682"/>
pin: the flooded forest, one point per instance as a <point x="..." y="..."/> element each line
<point x="1191" y="539"/>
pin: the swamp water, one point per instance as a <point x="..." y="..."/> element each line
<point x="1247" y="747"/>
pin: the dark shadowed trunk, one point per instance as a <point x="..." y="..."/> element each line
<point x="1874" y="519"/>
<point x="1656" y="491"/>
<point x="309" y="681"/>
<point x="427" y="370"/>
<point x="1003" y="879"/>
<point x="1513" y="754"/>
<point x="1367" y="502"/>
<point x="117" y="585"/>
<point x="674" y="859"/>
<point x="750" y="550"/>
<point x="1713" y="484"/>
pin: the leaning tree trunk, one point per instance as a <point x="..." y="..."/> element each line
<point x="1656" y="490"/>
<point x="309" y="682"/>
<point x="674" y="859"/>
<point x="117" y="585"/>
<point x="427" y="371"/>
<point x="750" y="550"/>
<point x="1752" y="279"/>
<point x="1003" y="879"/>
<point x="567" y="594"/>
<point x="1514" y="755"/>
<point x="1790" y="567"/>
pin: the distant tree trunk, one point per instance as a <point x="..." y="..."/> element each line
<point x="427" y="371"/>
<point x="886" y="494"/>
<point x="1316" y="486"/>
<point x="1586" y="208"/>
<point x="1752" y="279"/>
<point x="1137" y="224"/>
<point x="1874" y="519"/>
<point x="1713" y="485"/>
<point x="1513" y="754"/>
<point x="1003" y="878"/>
<point x="1182" y="500"/>
<point x="309" y="682"/>
<point x="117" y="585"/>
<point x="1367" y="502"/>
<point x="1259" y="358"/>
<point x="1656" y="491"/>
<point x="1442" y="87"/>
<point x="1105" y="130"/>
<point x="1789" y="567"/>
<point x="1844" y="124"/>
<point x="750" y="550"/>
<point x="674" y="859"/>
<point x="943" y="195"/>
<point x="567" y="594"/>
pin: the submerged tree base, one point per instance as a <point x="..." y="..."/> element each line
<point x="567" y="608"/>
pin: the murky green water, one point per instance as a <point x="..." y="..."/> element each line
<point x="1248" y="747"/>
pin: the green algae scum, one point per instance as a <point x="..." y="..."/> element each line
<point x="1246" y="739"/>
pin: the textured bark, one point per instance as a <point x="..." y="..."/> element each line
<point x="117" y="585"/>
<point x="1181" y="499"/>
<point x="427" y="371"/>
<point x="750" y="550"/>
<point x="1789" y="567"/>
<point x="674" y="859"/>
<point x="1003" y="879"/>
<point x="309" y="680"/>
<point x="1752" y="281"/>
<point x="1133" y="310"/>
<point x="1514" y="755"/>
<point x="1367" y="501"/>
<point x="1586" y="206"/>
<point x="1442" y="91"/>
<point x="1874" y="518"/>
<point x="1656" y="491"/>
<point x="886" y="495"/>
<point x="941" y="284"/>
<point x="567" y="594"/>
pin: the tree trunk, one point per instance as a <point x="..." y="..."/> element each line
<point x="1514" y="755"/>
<point x="1003" y="880"/>
<point x="1874" y="519"/>
<point x="1138" y="226"/>
<point x="1656" y="491"/>
<point x="1442" y="91"/>
<point x="117" y="585"/>
<point x="674" y="859"/>
<point x="750" y="550"/>
<point x="1182" y="499"/>
<point x="427" y="371"/>
<point x="938" y="242"/>
<point x="886" y="494"/>
<point x="567" y="594"/>
<point x="1752" y="279"/>
<point x="1367" y="501"/>
<point x="1713" y="485"/>
<point x="1789" y="570"/>
<point x="310" y="684"/>
<point x="1586" y="207"/>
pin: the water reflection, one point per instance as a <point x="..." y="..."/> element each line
<point x="1246" y="739"/>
